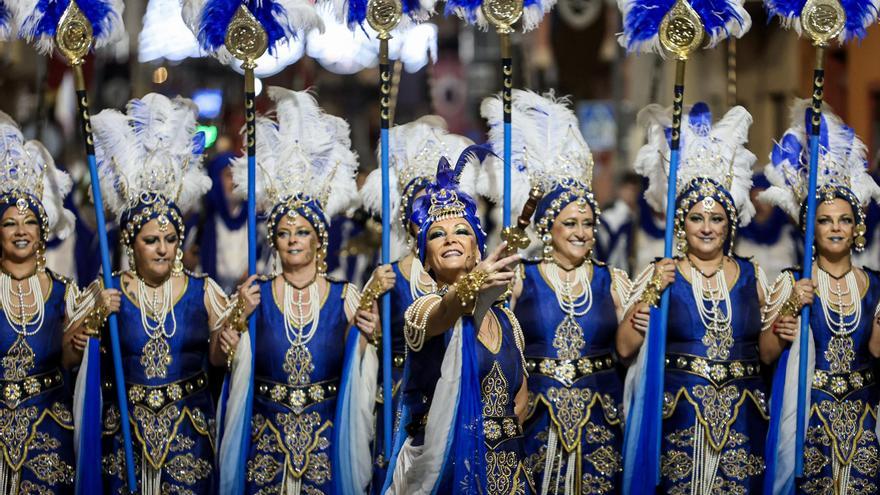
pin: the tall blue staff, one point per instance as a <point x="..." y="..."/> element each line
<point x="677" y="28"/>
<point x="74" y="28"/>
<point x="383" y="16"/>
<point x="822" y="21"/>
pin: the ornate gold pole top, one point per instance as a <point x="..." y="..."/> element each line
<point x="681" y="31"/>
<point x="383" y="16"/>
<point x="502" y="13"/>
<point x="74" y="35"/>
<point x="246" y="39"/>
<point x="823" y="20"/>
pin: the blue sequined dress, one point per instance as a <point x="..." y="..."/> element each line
<point x="841" y="446"/>
<point x="295" y="399"/>
<point x="501" y="374"/>
<point x="36" y="424"/>
<point x="170" y="406"/>
<point x="575" y="391"/>
<point x="715" y="409"/>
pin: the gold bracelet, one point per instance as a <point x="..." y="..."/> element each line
<point x="95" y="319"/>
<point x="792" y="305"/>
<point x="651" y="294"/>
<point x="370" y="294"/>
<point x="236" y="316"/>
<point x="467" y="288"/>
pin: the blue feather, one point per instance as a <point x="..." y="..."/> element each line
<point x="357" y="12"/>
<point x="217" y="15"/>
<point x="4" y="17"/>
<point x="642" y="22"/>
<point x="100" y="14"/>
<point x="466" y="8"/>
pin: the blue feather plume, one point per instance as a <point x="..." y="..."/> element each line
<point x="354" y="12"/>
<point x="281" y="19"/>
<point x="38" y="20"/>
<point x="641" y="22"/>
<point x="470" y="12"/>
<point x="860" y="14"/>
<point x="4" y="20"/>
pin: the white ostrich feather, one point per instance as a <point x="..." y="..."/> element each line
<point x="546" y="146"/>
<point x="149" y="149"/>
<point x="842" y="162"/>
<point x="415" y="150"/>
<point x="714" y="151"/>
<point x="28" y="167"/>
<point x="301" y="151"/>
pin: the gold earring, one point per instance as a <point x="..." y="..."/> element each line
<point x="860" y="237"/>
<point x="322" y="263"/>
<point x="41" y="257"/>
<point x="177" y="267"/>
<point x="129" y="253"/>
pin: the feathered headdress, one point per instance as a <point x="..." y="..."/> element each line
<point x="547" y="150"/>
<point x="281" y="19"/>
<point x="305" y="164"/>
<point x="714" y="161"/>
<point x="642" y="19"/>
<point x="842" y="165"/>
<point x="858" y="16"/>
<point x="38" y="20"/>
<point x="416" y="148"/>
<point x="445" y="199"/>
<point x="29" y="180"/>
<point x="150" y="161"/>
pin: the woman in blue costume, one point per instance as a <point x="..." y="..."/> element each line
<point x="314" y="377"/>
<point x="841" y="442"/>
<point x="149" y="159"/>
<point x="416" y="148"/>
<point x="715" y="411"/>
<point x="464" y="391"/>
<point x="567" y="303"/>
<point x="40" y="334"/>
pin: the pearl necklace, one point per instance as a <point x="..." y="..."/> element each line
<point x="840" y="326"/>
<point x="31" y="314"/>
<point x="295" y="322"/>
<point x="564" y="290"/>
<point x="416" y="281"/>
<point x="713" y="306"/>
<point x="156" y="307"/>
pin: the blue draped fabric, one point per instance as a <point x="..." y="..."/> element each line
<point x="217" y="209"/>
<point x="171" y="407"/>
<point x="36" y="422"/>
<point x="569" y="367"/>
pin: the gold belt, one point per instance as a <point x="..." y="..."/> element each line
<point x="839" y="385"/>
<point x="298" y="398"/>
<point x="17" y="391"/>
<point x="156" y="397"/>
<point x="717" y="372"/>
<point x="568" y="371"/>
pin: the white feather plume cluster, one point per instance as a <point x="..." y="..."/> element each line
<point x="546" y="146"/>
<point x="149" y="149"/>
<point x="301" y="151"/>
<point x="27" y="19"/>
<point x="28" y="167"/>
<point x="842" y="161"/>
<point x="296" y="18"/>
<point x="714" y="151"/>
<point x="415" y="150"/>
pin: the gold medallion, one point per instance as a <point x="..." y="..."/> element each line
<point x="246" y="39"/>
<point x="502" y="13"/>
<point x="681" y="30"/>
<point x="74" y="35"/>
<point x="383" y="16"/>
<point x="823" y="20"/>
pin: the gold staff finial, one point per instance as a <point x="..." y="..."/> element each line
<point x="502" y="13"/>
<point x="383" y="16"/>
<point x="823" y="20"/>
<point x="681" y="30"/>
<point x="74" y="35"/>
<point x="246" y="39"/>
